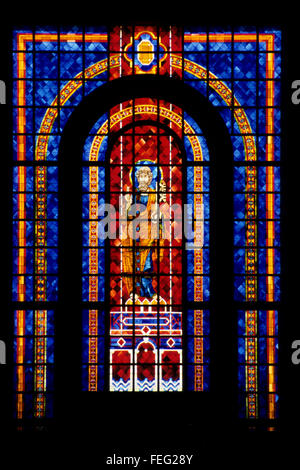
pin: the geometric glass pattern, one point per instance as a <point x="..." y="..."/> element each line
<point x="34" y="363"/>
<point x="258" y="362"/>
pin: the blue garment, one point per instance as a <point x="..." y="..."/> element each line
<point x="145" y="282"/>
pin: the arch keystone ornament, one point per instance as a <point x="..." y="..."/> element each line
<point x="145" y="52"/>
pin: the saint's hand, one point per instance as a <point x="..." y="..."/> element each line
<point x="162" y="191"/>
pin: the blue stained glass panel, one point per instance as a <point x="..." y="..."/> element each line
<point x="75" y="44"/>
<point x="262" y="69"/>
<point x="217" y="100"/>
<point x="244" y="65"/>
<point x="241" y="350"/>
<point x="87" y="149"/>
<point x="239" y="233"/>
<point x="100" y="322"/>
<point x="239" y="288"/>
<point x="251" y="115"/>
<point x="85" y="261"/>
<point x="191" y="322"/>
<point x="241" y="378"/>
<point x="71" y="65"/>
<point x="245" y="92"/>
<point x="85" y="377"/>
<point x="262" y="205"/>
<point x="85" y="288"/>
<point x="47" y="46"/>
<point x="52" y="288"/>
<point x="52" y="260"/>
<point x="199" y="59"/>
<point x="191" y="201"/>
<point x="93" y="84"/>
<point x="263" y="378"/>
<point x="200" y="85"/>
<point x="39" y="117"/>
<point x="196" y="129"/>
<point x="52" y="233"/>
<point x="85" y="206"/>
<point x="262" y="172"/>
<point x="189" y="151"/>
<point x="52" y="178"/>
<point x="85" y="235"/>
<point x="262" y="288"/>
<point x="93" y="58"/>
<point x="28" y="377"/>
<point x="52" y="206"/>
<point x="98" y="124"/>
<point x="86" y="179"/>
<point x="191" y="377"/>
<point x="239" y="178"/>
<point x="220" y="64"/>
<point x="53" y="147"/>
<point x="46" y="65"/>
<point x="28" y="351"/>
<point x="49" y="378"/>
<point x="262" y="350"/>
<point x="191" y="351"/>
<point x="245" y="62"/>
<point x="85" y="348"/>
<point x="220" y="46"/>
<point x="64" y="114"/>
<point x="15" y="36"/>
<point x="74" y="96"/>
<point x="239" y="206"/>
<point x="50" y="351"/>
<point x="28" y="328"/>
<point x="190" y="261"/>
<point x="262" y="324"/>
<point x="239" y="261"/>
<point x="96" y="45"/>
<point x="262" y="144"/>
<point x="29" y="206"/>
<point x="190" y="234"/>
<point x="28" y="113"/>
<point x="244" y="46"/>
<point x="28" y="281"/>
<point x="190" y="288"/>
<point x="28" y="263"/>
<point x="29" y="182"/>
<point x="28" y="84"/>
<point x="262" y="260"/>
<point x="277" y="122"/>
<point x="28" y="72"/>
<point x="263" y="405"/>
<point x="195" y="46"/>
<point x="277" y="39"/>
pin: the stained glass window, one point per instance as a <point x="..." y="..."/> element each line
<point x="146" y="297"/>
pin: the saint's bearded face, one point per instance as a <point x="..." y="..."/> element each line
<point x="144" y="178"/>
